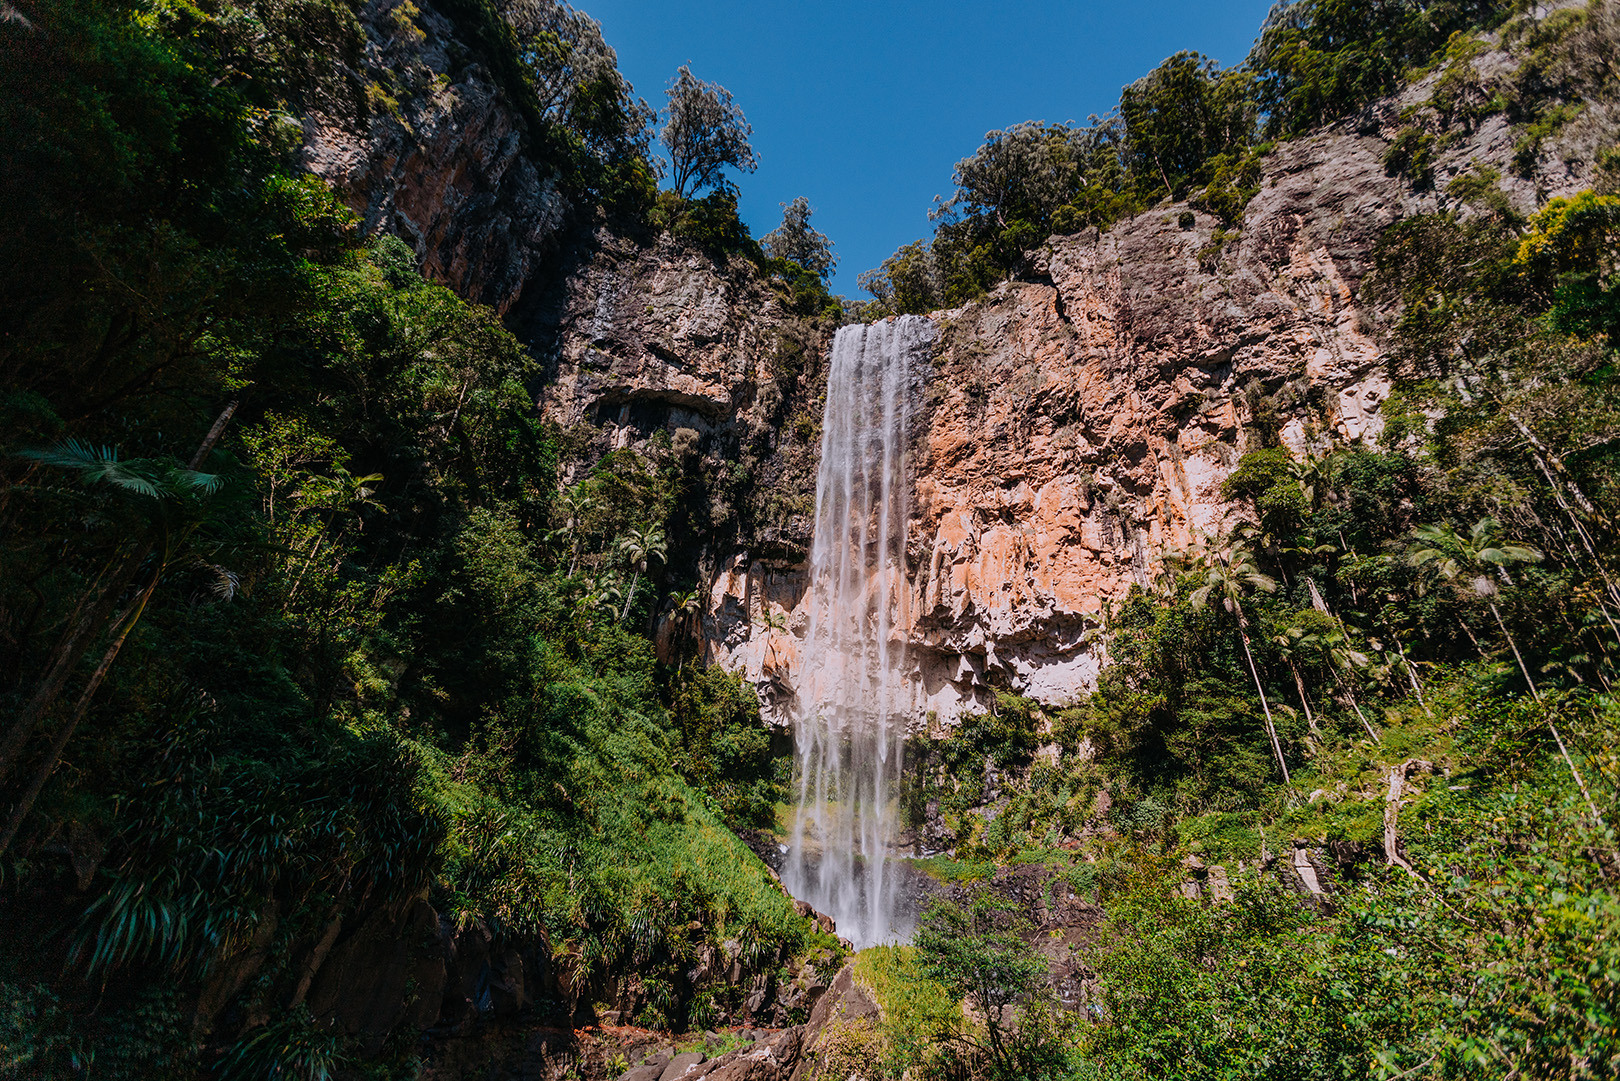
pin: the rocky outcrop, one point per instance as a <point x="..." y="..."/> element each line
<point x="661" y="337"/>
<point x="433" y="150"/>
<point x="1078" y="425"/>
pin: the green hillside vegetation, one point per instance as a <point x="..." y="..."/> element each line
<point x="1192" y="131"/>
<point x="1439" y="610"/>
<point x="299" y="624"/>
<point x="294" y="624"/>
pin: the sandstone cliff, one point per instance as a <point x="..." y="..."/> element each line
<point x="1077" y="426"/>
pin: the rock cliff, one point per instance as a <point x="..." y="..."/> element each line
<point x="1077" y="426"/>
<point x="431" y="148"/>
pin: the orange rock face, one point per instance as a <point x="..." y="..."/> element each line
<point x="1074" y="427"/>
<point x="1077" y="427"/>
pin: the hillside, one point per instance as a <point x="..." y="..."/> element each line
<point x="406" y="532"/>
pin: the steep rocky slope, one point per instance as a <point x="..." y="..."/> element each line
<point x="431" y="148"/>
<point x="1078" y="426"/>
<point x="1075" y="426"/>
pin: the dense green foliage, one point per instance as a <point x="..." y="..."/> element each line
<point x="1437" y="611"/>
<point x="1191" y="131"/>
<point x="294" y="623"/>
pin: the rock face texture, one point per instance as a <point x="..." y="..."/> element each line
<point x="661" y="336"/>
<point x="1075" y="426"/>
<point x="434" y="151"/>
<point x="1078" y="426"/>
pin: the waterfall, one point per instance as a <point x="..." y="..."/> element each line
<point x="852" y="701"/>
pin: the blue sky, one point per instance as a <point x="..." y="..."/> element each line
<point x="865" y="107"/>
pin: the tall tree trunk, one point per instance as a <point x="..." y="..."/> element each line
<point x="1271" y="728"/>
<point x="309" y="560"/>
<point x="54" y="755"/>
<point x="1299" y="682"/>
<point x="630" y="594"/>
<point x="82" y="632"/>
<point x="1344" y="685"/>
<point x="1411" y="673"/>
<point x="1472" y="637"/>
<point x="1558" y="738"/>
<point x="86" y="623"/>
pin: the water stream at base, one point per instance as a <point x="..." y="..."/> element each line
<point x="852" y="699"/>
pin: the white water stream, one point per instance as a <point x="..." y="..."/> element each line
<point x="852" y="699"/>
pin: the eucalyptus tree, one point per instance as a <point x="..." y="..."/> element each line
<point x="797" y="241"/>
<point x="705" y="134"/>
<point x="1228" y="573"/>
<point x="575" y="77"/>
<point x="1182" y="114"/>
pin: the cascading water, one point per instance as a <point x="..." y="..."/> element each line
<point x="852" y="701"/>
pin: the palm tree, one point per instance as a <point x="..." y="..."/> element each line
<point x="684" y="606"/>
<point x="1335" y="648"/>
<point x="166" y="493"/>
<point x="1310" y="473"/>
<point x="1290" y="644"/>
<point x="602" y="595"/>
<point x="1228" y="572"/>
<point x="339" y="493"/>
<point x="1343" y="656"/>
<point x="1481" y="553"/>
<point x="639" y="548"/>
<point x="573" y="505"/>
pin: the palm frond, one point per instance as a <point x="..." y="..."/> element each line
<point x="97" y="465"/>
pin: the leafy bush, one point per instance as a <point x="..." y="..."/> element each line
<point x="1411" y="156"/>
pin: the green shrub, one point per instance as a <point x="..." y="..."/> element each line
<point x="1411" y="156"/>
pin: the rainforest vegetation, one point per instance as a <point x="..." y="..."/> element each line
<point x="300" y="624"/>
<point x="1192" y="131"/>
<point x="295" y="622"/>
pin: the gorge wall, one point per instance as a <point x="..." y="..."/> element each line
<point x="1078" y="426"/>
<point x="1073" y="428"/>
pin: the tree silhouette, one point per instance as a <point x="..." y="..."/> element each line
<point x="706" y="133"/>
<point x="172" y="499"/>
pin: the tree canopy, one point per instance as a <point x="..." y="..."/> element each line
<point x="705" y="133"/>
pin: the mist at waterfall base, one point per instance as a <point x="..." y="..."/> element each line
<point x="853" y="699"/>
